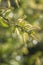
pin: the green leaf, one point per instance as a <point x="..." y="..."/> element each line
<point x="3" y="23"/>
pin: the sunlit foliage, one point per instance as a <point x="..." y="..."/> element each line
<point x="21" y="32"/>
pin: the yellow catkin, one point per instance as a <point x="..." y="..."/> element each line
<point x="9" y="5"/>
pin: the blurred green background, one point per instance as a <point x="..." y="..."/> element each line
<point x="21" y="32"/>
